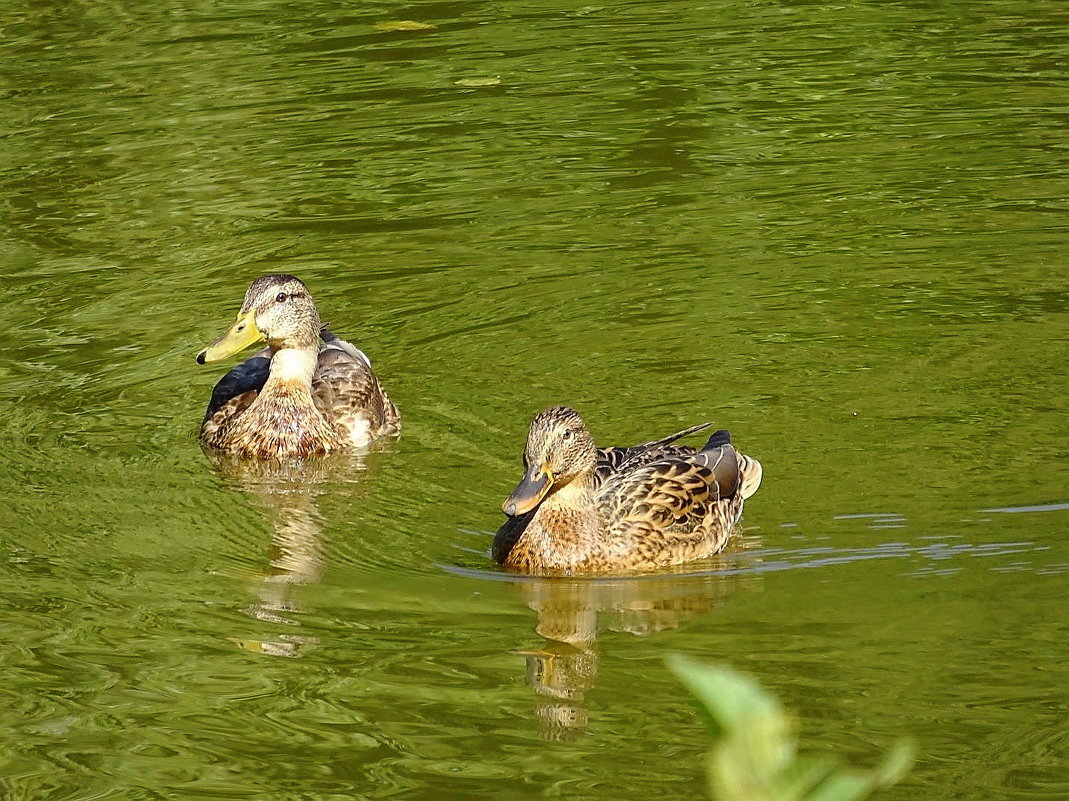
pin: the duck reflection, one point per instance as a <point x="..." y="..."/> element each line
<point x="570" y="612"/>
<point x="288" y="494"/>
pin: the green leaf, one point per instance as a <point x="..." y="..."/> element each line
<point x="730" y="698"/>
<point x="753" y="758"/>
<point x="802" y="774"/>
<point x="895" y="765"/>
<point x="843" y="785"/>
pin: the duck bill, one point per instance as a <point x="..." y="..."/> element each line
<point x="529" y="492"/>
<point x="242" y="334"/>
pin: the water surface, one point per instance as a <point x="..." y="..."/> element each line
<point x="838" y="231"/>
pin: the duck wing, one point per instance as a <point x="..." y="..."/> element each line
<point x="217" y="421"/>
<point x="612" y="460"/>
<point x="248" y="376"/>
<point x="348" y="394"/>
<point x="676" y="508"/>
<point x="668" y="490"/>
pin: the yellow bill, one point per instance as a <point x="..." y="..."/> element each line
<point x="242" y="334"/>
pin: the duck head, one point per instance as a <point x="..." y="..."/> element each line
<point x="278" y="310"/>
<point x="559" y="449"/>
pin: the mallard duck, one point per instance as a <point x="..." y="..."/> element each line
<point x="308" y="393"/>
<point x="580" y="509"/>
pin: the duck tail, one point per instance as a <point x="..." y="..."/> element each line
<point x="736" y="473"/>
<point x="750" y="472"/>
<point x="717" y="438"/>
<point x="724" y="462"/>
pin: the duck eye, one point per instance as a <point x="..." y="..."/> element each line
<point x="567" y="434"/>
<point x="281" y="297"/>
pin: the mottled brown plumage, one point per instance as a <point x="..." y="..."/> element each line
<point x="580" y="509"/>
<point x="308" y="393"/>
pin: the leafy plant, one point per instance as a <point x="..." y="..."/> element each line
<point x="755" y="755"/>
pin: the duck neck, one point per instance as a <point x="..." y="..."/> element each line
<point x="577" y="495"/>
<point x="291" y="372"/>
<point x="566" y="529"/>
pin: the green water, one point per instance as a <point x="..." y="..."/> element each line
<point x="838" y="230"/>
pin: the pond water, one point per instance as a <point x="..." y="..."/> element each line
<point x="837" y="230"/>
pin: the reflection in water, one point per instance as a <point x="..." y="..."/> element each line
<point x="296" y="560"/>
<point x="289" y="493"/>
<point x="569" y="612"/>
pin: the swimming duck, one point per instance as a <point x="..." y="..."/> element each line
<point x="308" y="393"/>
<point x="580" y="509"/>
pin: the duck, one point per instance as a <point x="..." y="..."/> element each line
<point x="308" y="393"/>
<point x="580" y="509"/>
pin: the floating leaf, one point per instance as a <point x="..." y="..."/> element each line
<point x="404" y="25"/>
<point x="476" y="82"/>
